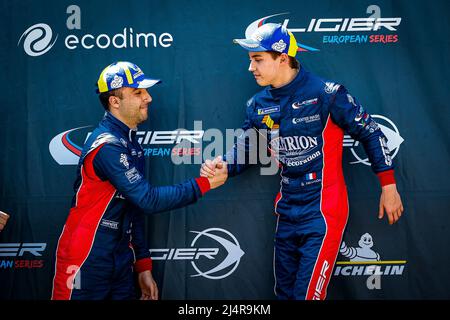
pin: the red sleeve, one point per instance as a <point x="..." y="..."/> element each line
<point x="203" y="184"/>
<point x="386" y="177"/>
<point x="142" y="265"/>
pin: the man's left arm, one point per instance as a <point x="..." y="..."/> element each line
<point x="351" y="116"/>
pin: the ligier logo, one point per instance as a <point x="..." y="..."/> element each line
<point x="257" y="23"/>
<point x="64" y="150"/>
<point x="364" y="260"/>
<point x="215" y="253"/>
<point x="15" y="252"/>
<point x="66" y="147"/>
<point x="37" y="39"/>
<point x="341" y="30"/>
<point x="391" y="132"/>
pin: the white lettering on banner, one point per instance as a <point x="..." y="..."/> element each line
<point x="126" y="39"/>
<point x="365" y="270"/>
<point x="169" y="137"/>
<point x="38" y="39"/>
<point x="19" y="249"/>
<point x="183" y="253"/>
<point x="227" y="241"/>
<point x="350" y="24"/>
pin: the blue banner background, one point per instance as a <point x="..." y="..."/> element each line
<point x="205" y="79"/>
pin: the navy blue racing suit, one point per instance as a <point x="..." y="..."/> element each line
<point x="103" y="239"/>
<point x="304" y="121"/>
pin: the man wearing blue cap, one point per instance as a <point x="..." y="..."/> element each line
<point x="103" y="242"/>
<point x="305" y="118"/>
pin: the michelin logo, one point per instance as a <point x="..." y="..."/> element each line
<point x="363" y="253"/>
<point x="364" y="261"/>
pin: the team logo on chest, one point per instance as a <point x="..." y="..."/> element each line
<point x="295" y="150"/>
<point x="299" y="104"/>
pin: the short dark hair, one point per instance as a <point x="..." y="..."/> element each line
<point x="293" y="63"/>
<point x="104" y="97"/>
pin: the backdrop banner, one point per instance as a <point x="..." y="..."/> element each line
<point x="391" y="55"/>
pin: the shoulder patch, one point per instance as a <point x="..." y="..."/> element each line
<point x="103" y="138"/>
<point x="331" y="87"/>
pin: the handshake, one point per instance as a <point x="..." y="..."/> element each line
<point x="216" y="171"/>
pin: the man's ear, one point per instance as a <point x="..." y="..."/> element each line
<point x="113" y="102"/>
<point x="284" y="58"/>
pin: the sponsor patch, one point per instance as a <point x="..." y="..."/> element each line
<point x="110" y="224"/>
<point x="307" y="119"/>
<point x="268" y="110"/>
<point x="268" y="121"/>
<point x="124" y="160"/>
<point x="386" y="152"/>
<point x="133" y="175"/>
<point x="331" y="87"/>
<point x="298" y="105"/>
<point x="279" y="46"/>
<point x="138" y="74"/>
<point x="307" y="183"/>
<point x="117" y="82"/>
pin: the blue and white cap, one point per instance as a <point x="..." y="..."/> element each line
<point x="123" y="74"/>
<point x="270" y="37"/>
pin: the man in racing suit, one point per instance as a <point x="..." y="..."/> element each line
<point x="305" y="118"/>
<point x="103" y="238"/>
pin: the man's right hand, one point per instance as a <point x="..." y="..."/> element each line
<point x="216" y="171"/>
<point x="3" y="219"/>
<point x="208" y="168"/>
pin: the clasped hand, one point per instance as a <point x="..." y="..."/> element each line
<point x="216" y="171"/>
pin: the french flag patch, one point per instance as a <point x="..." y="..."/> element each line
<point x="311" y="176"/>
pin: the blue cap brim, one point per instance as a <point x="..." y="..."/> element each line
<point x="250" y="45"/>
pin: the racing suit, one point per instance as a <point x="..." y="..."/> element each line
<point x="305" y="122"/>
<point x="103" y="238"/>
